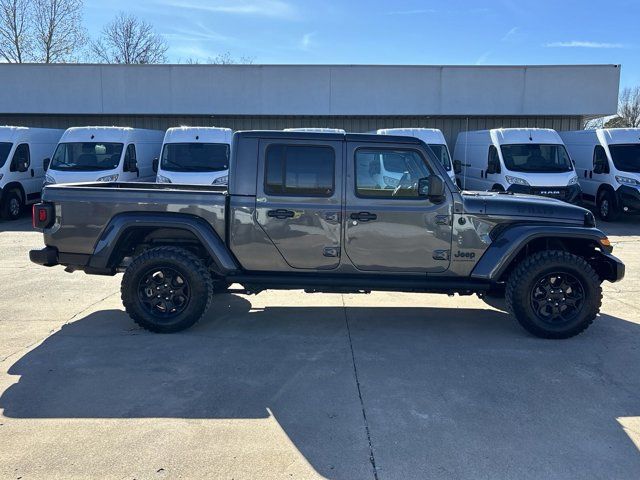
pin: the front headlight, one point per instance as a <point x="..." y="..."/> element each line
<point x="516" y="180"/>
<point x="49" y="180"/>
<point x="162" y="179"/>
<point x="573" y="181"/>
<point x="221" y="180"/>
<point x="108" y="178"/>
<point x="390" y="181"/>
<point x="626" y="181"/>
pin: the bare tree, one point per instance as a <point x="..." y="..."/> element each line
<point x="15" y="37"/>
<point x="58" y="31"/>
<point x="628" y="110"/>
<point x="128" y="40"/>
<point x="224" y="58"/>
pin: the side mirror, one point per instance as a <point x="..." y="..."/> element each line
<point x="156" y="161"/>
<point x="457" y="167"/>
<point x="45" y="164"/>
<point x="431" y="187"/>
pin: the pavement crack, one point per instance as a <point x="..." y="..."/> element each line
<point x="372" y="458"/>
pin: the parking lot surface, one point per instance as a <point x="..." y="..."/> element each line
<point x="294" y="385"/>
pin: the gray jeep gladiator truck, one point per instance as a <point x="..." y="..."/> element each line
<point x="329" y="212"/>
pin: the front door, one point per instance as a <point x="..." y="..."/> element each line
<point x="388" y="227"/>
<point x="298" y="200"/>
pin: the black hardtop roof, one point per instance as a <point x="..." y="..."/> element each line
<point x="354" y="137"/>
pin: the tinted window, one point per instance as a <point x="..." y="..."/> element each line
<point x="626" y="157"/>
<point x="442" y="154"/>
<point x="20" y="157"/>
<point x="299" y="170"/>
<point x="87" y="156"/>
<point x="5" y="148"/>
<point x="374" y="179"/>
<point x="195" y="157"/>
<point x="494" y="159"/>
<point x="600" y="158"/>
<point x="536" y="158"/>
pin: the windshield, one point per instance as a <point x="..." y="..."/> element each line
<point x="195" y="157"/>
<point x="87" y="156"/>
<point x="5" y="148"/>
<point x="536" y="158"/>
<point x="442" y="153"/>
<point x="626" y="158"/>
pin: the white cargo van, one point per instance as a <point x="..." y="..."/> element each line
<point x="104" y="154"/>
<point x="195" y="156"/>
<point x="22" y="153"/>
<point x="608" y="166"/>
<point x="432" y="137"/>
<point x="519" y="160"/>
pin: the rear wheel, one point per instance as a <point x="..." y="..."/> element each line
<point x="166" y="289"/>
<point x="607" y="206"/>
<point x="12" y="205"/>
<point x="554" y="294"/>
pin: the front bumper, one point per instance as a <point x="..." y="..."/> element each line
<point x="628" y="199"/>
<point x="569" y="194"/>
<point x="609" y="267"/>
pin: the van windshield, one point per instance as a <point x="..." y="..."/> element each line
<point x="91" y="156"/>
<point x="195" y="157"/>
<point x="536" y="158"/>
<point x="626" y="158"/>
<point x="5" y="148"/>
<point x="442" y="153"/>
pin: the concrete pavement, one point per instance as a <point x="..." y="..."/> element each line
<point x="294" y="385"/>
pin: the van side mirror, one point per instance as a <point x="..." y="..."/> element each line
<point x="156" y="161"/>
<point x="457" y="167"/>
<point x="431" y="187"/>
<point x="45" y="164"/>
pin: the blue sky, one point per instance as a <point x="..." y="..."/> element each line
<point x="499" y="32"/>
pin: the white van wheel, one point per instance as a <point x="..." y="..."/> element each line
<point x="606" y="205"/>
<point x="12" y="205"/>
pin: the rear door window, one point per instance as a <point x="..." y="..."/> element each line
<point x="300" y="170"/>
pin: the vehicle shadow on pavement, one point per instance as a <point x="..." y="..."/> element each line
<point x="23" y="224"/>
<point x="447" y="392"/>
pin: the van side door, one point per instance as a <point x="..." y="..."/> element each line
<point x="600" y="173"/>
<point x="299" y="199"/>
<point x="22" y="171"/>
<point x="388" y="225"/>
<point x="492" y="170"/>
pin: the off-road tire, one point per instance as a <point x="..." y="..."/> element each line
<point x="188" y="266"/>
<point x="527" y="274"/>
<point x="12" y="205"/>
<point x="607" y="206"/>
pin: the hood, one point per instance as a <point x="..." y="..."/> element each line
<point x="500" y="204"/>
<point x="193" y="178"/>
<point x="76" y="176"/>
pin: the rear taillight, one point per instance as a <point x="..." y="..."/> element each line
<point x="42" y="215"/>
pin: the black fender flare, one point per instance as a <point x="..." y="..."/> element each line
<point x="121" y="223"/>
<point x="512" y="240"/>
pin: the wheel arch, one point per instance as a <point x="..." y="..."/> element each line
<point x="518" y="242"/>
<point x="126" y="233"/>
<point x="10" y="187"/>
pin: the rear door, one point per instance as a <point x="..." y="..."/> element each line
<point x="388" y="227"/>
<point x="298" y="201"/>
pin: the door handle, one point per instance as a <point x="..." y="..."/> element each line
<point x="482" y="175"/>
<point x="585" y="174"/>
<point x="280" y="213"/>
<point x="363" y="216"/>
<point x="590" y="173"/>
<point x="33" y="173"/>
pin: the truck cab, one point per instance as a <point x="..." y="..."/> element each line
<point x="608" y="166"/>
<point x="104" y="154"/>
<point x="22" y="151"/>
<point x="195" y="156"/>
<point x="520" y="160"/>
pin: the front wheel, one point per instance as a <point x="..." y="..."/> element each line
<point x="166" y="289"/>
<point x="607" y="206"/>
<point x="12" y="205"/>
<point x="554" y="294"/>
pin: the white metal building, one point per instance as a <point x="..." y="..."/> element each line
<point x="357" y="98"/>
